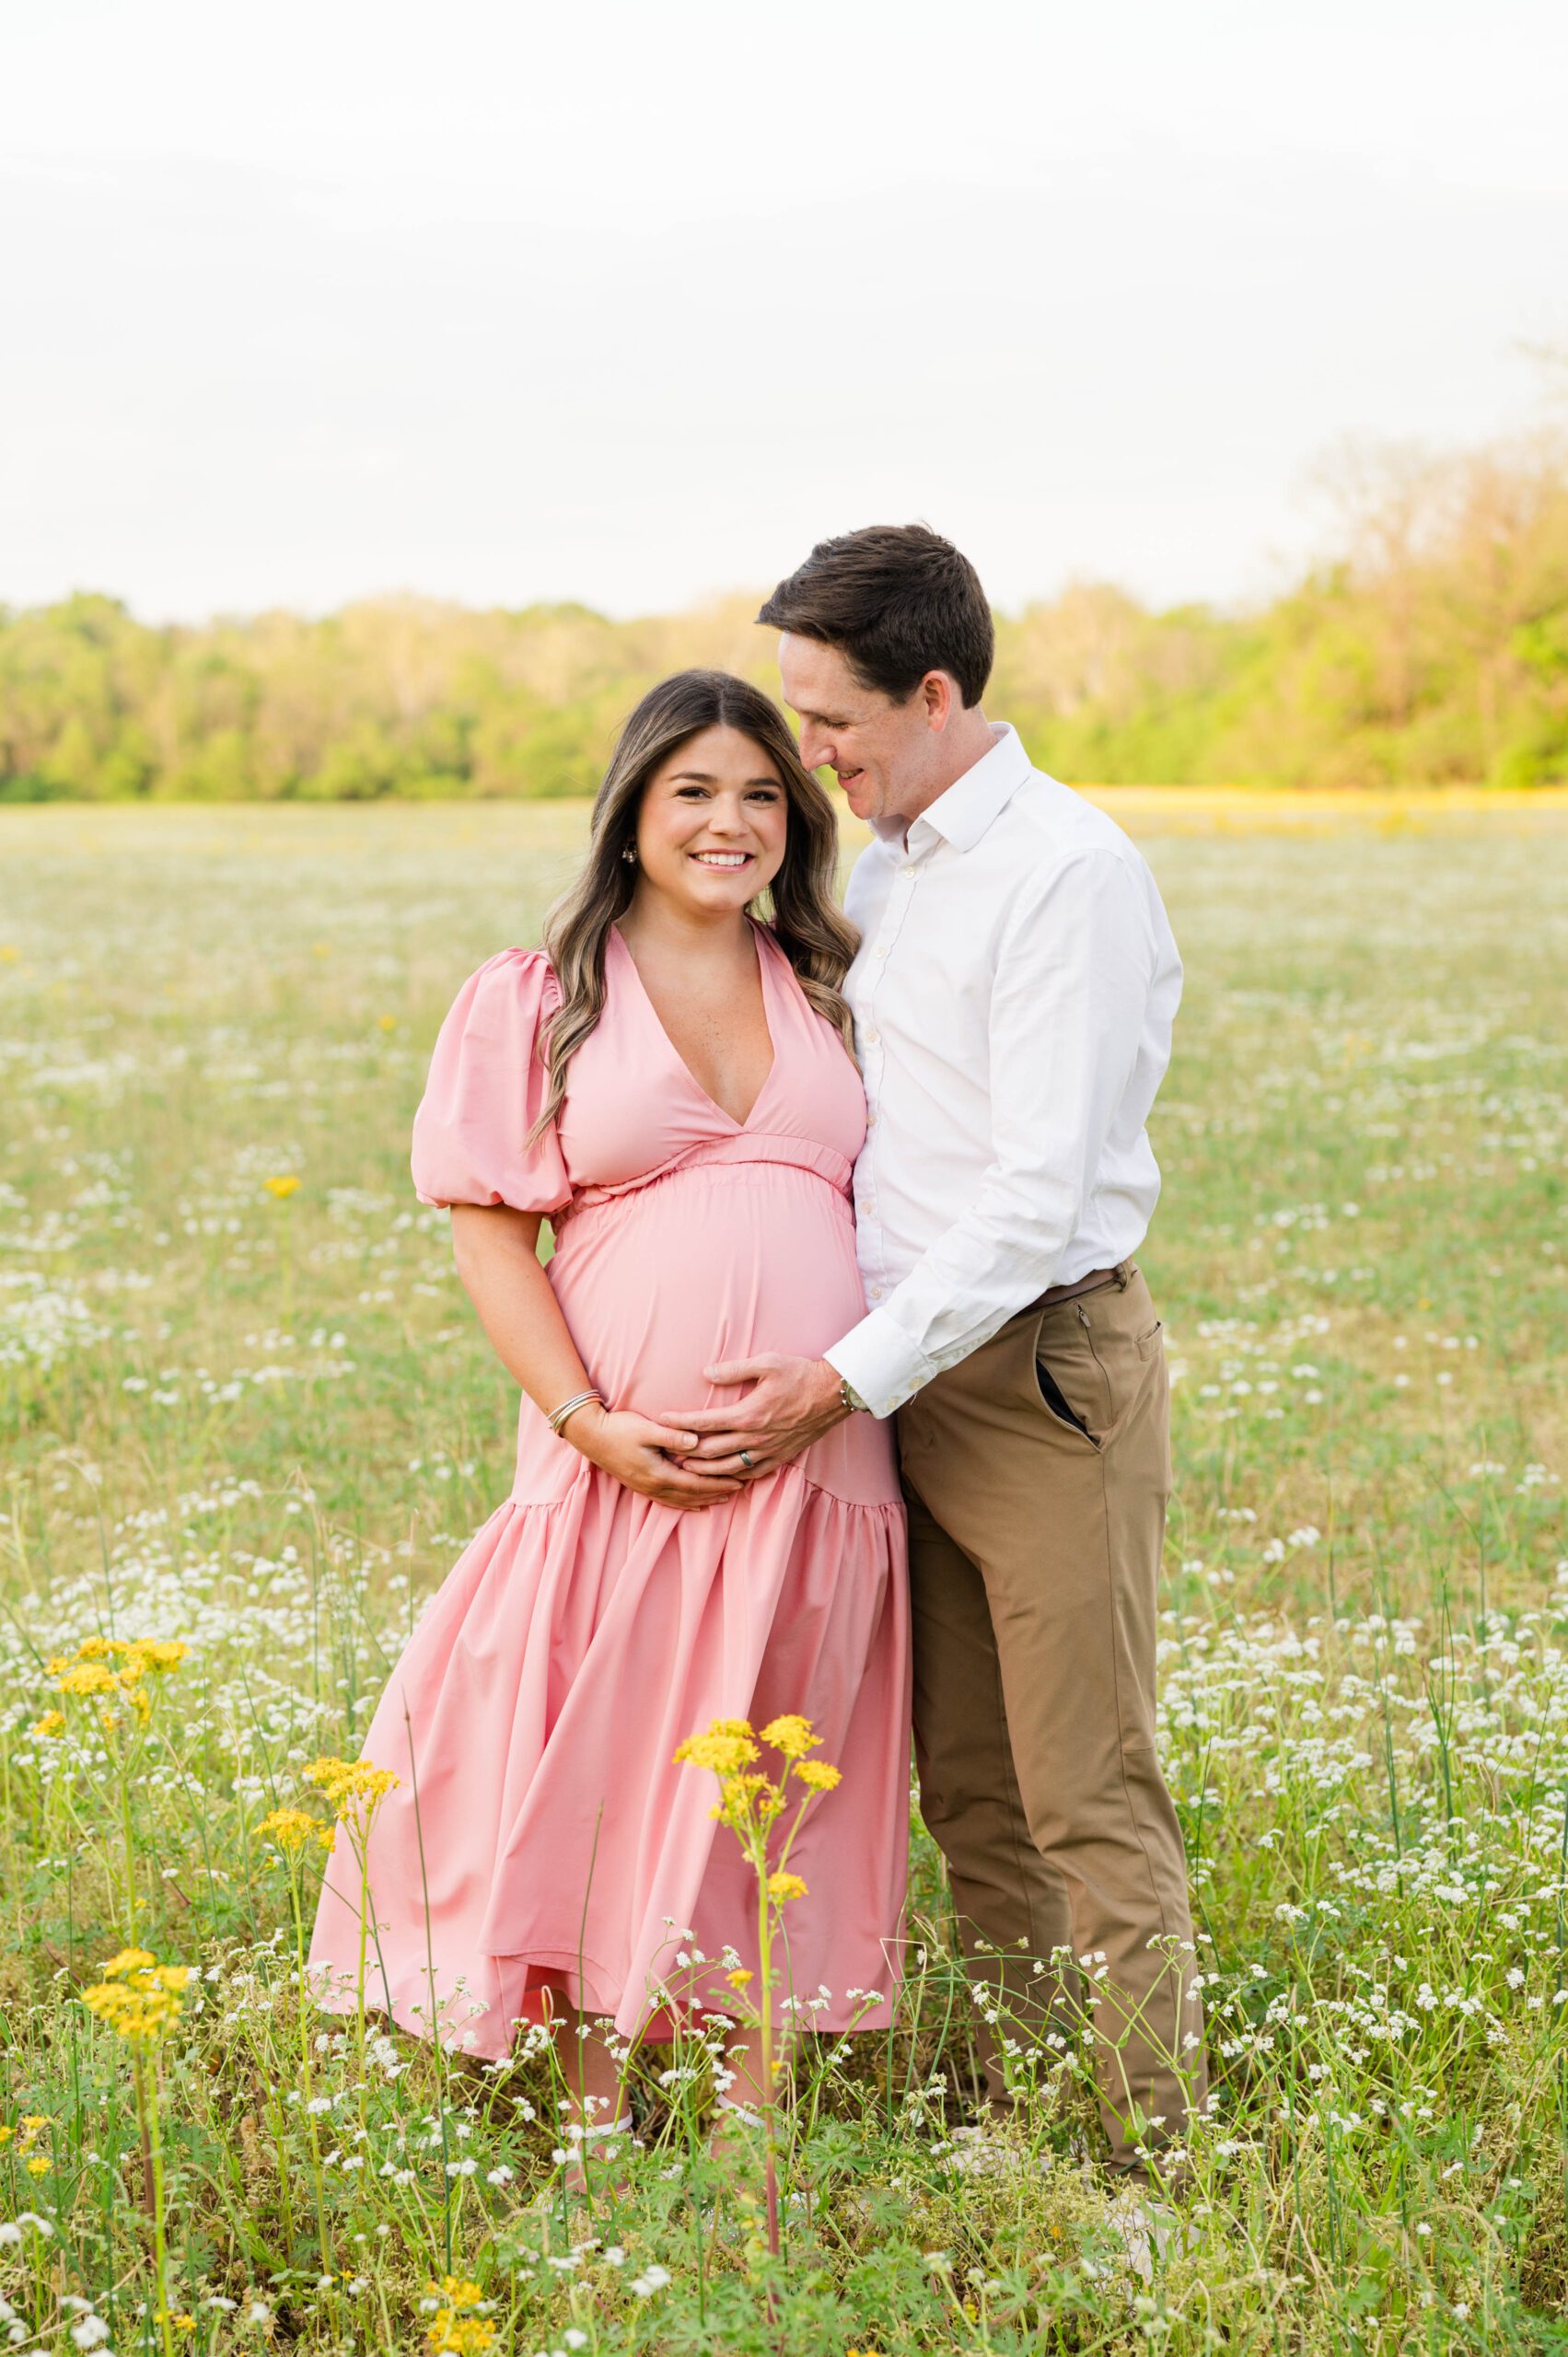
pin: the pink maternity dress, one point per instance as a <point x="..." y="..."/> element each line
<point x="587" y="1630"/>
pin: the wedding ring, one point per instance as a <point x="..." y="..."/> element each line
<point x="746" y="1459"/>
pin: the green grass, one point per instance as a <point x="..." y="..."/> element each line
<point x="265" y="1426"/>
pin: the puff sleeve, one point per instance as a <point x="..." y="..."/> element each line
<point x="485" y="1091"/>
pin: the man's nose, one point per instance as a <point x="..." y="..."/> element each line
<point x="816" y="748"/>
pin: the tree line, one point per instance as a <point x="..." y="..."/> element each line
<point x="1432" y="646"/>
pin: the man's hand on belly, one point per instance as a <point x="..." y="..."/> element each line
<point x="789" y="1403"/>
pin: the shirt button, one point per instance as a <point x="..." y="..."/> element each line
<point x="873" y="1039"/>
<point x="881" y="949"/>
<point x="875" y="1293"/>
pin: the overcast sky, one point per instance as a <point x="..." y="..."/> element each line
<point x="630" y="303"/>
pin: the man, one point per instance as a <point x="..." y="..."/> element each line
<point x="1013" y="997"/>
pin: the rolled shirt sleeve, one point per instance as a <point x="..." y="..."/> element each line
<point x="1066" y="1018"/>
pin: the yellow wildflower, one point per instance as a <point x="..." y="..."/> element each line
<point x="39" y="2166"/>
<point x="160" y="1652"/>
<point x="52" y="1722"/>
<point x="291" y="1829"/>
<point x="739" y="1977"/>
<point x="129" y="1960"/>
<point x="455" y="2330"/>
<point x="790" y="1734"/>
<point x="282" y="1185"/>
<point x="108" y="1669"/>
<point x="786" y="1886"/>
<point x="817" y="1775"/>
<point x="7" y="2132"/>
<point x="354" y="1787"/>
<point x="726" y="1748"/>
<point x="184" y="2324"/>
<point x="452" y="2335"/>
<point x="86" y="1677"/>
<point x="138" y="1999"/>
<point x="460" y="2292"/>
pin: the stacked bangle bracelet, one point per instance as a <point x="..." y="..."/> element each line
<point x="569" y="1408"/>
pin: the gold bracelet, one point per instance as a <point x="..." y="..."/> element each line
<point x="557" y="1419"/>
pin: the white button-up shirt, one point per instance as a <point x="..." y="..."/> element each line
<point x="1013" y="998"/>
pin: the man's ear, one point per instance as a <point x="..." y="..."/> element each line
<point x="938" y="699"/>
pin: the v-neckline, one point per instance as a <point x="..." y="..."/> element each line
<point x="762" y="954"/>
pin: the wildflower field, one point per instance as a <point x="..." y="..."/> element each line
<point x="250" y="1420"/>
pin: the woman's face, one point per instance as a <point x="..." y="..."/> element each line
<point x="712" y="826"/>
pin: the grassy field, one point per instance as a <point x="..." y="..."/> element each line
<point x="260" y="1420"/>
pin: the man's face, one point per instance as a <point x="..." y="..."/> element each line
<point x="883" y="752"/>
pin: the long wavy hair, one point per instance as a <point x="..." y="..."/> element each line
<point x="810" y="929"/>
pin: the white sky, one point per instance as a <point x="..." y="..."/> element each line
<point x="632" y="302"/>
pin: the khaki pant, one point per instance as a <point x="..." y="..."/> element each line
<point x="1037" y="1473"/>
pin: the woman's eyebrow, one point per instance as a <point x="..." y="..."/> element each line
<point x="700" y="777"/>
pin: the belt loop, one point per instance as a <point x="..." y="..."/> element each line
<point x="1124" y="1274"/>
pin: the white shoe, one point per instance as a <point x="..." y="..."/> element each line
<point x="1152" y="2232"/>
<point x="987" y="2151"/>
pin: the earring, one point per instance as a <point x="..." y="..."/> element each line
<point x="630" y="854"/>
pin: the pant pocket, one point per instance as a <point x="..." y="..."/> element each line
<point x="1054" y="1400"/>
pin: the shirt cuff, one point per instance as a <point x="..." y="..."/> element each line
<point x="880" y="1363"/>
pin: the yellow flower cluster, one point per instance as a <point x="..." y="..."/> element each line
<point x="110" y="1670"/>
<point x="282" y="1186"/>
<point x="292" y="1828"/>
<point x="455" y="2331"/>
<point x="783" y="1887"/>
<point x="750" y="1802"/>
<point x="52" y="1723"/>
<point x="138" y="1997"/>
<point x="726" y="1748"/>
<point x="790" y="1734"/>
<point x="355" y="1788"/>
<point x="33" y="2123"/>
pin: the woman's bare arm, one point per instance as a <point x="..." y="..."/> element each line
<point x="497" y="1251"/>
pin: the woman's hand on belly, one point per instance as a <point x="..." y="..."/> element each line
<point x="636" y="1452"/>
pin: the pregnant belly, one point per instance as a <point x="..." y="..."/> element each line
<point x="716" y="1264"/>
<point x="707" y="1266"/>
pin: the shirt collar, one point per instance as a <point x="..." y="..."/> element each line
<point x="961" y="815"/>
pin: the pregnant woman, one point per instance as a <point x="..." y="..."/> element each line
<point x="669" y="1083"/>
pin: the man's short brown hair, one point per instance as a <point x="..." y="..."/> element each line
<point x="897" y="601"/>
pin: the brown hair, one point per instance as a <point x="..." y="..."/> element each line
<point x="815" y="937"/>
<point x="897" y="601"/>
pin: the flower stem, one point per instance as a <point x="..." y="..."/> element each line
<point x="146" y="2099"/>
<point x="305" y="2072"/>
